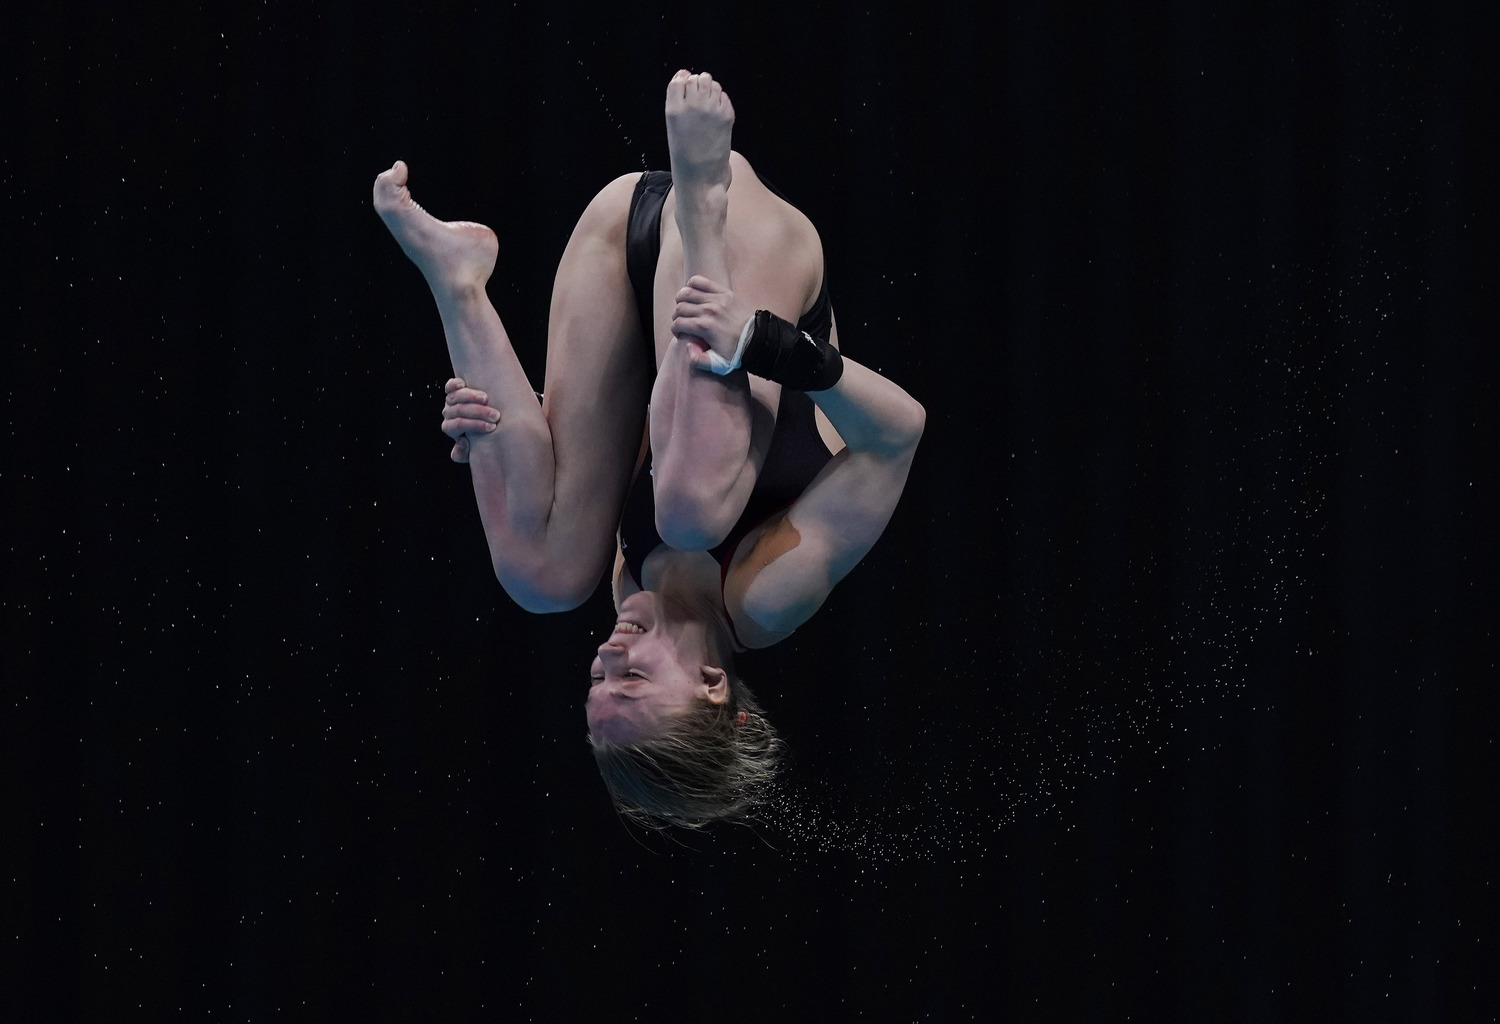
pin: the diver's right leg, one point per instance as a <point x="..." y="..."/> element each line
<point x="700" y="121"/>
<point x="549" y="485"/>
<point x="702" y="426"/>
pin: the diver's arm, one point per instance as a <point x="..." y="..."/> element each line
<point x="843" y="512"/>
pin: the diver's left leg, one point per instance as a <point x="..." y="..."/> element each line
<point x="549" y="477"/>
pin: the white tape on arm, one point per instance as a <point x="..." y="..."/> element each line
<point x="718" y="364"/>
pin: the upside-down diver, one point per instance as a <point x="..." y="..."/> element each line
<point x="700" y="430"/>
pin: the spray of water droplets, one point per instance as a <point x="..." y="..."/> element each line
<point x="1240" y="574"/>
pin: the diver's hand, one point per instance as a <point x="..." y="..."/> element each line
<point x="466" y="411"/>
<point x="708" y="316"/>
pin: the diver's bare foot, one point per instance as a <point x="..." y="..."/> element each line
<point x="700" y="119"/>
<point x="456" y="257"/>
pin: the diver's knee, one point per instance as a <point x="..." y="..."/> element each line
<point x="689" y="521"/>
<point x="559" y="589"/>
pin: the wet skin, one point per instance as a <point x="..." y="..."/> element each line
<point x="654" y="665"/>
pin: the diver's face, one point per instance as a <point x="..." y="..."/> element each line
<point x="652" y="667"/>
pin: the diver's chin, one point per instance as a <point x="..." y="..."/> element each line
<point x="638" y="608"/>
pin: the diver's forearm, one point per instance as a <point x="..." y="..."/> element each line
<point x="870" y="412"/>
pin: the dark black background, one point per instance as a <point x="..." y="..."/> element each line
<point x="1162" y="698"/>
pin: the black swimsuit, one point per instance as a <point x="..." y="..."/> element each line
<point x="797" y="452"/>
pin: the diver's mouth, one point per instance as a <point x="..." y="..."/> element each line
<point x="628" y="627"/>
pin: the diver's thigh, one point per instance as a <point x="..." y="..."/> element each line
<point x="599" y="368"/>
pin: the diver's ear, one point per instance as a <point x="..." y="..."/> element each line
<point x="717" y="681"/>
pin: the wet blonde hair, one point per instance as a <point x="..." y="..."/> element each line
<point x="714" y="762"/>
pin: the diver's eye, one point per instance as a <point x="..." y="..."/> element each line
<point x="633" y="674"/>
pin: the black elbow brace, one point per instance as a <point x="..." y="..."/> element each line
<point x="794" y="359"/>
